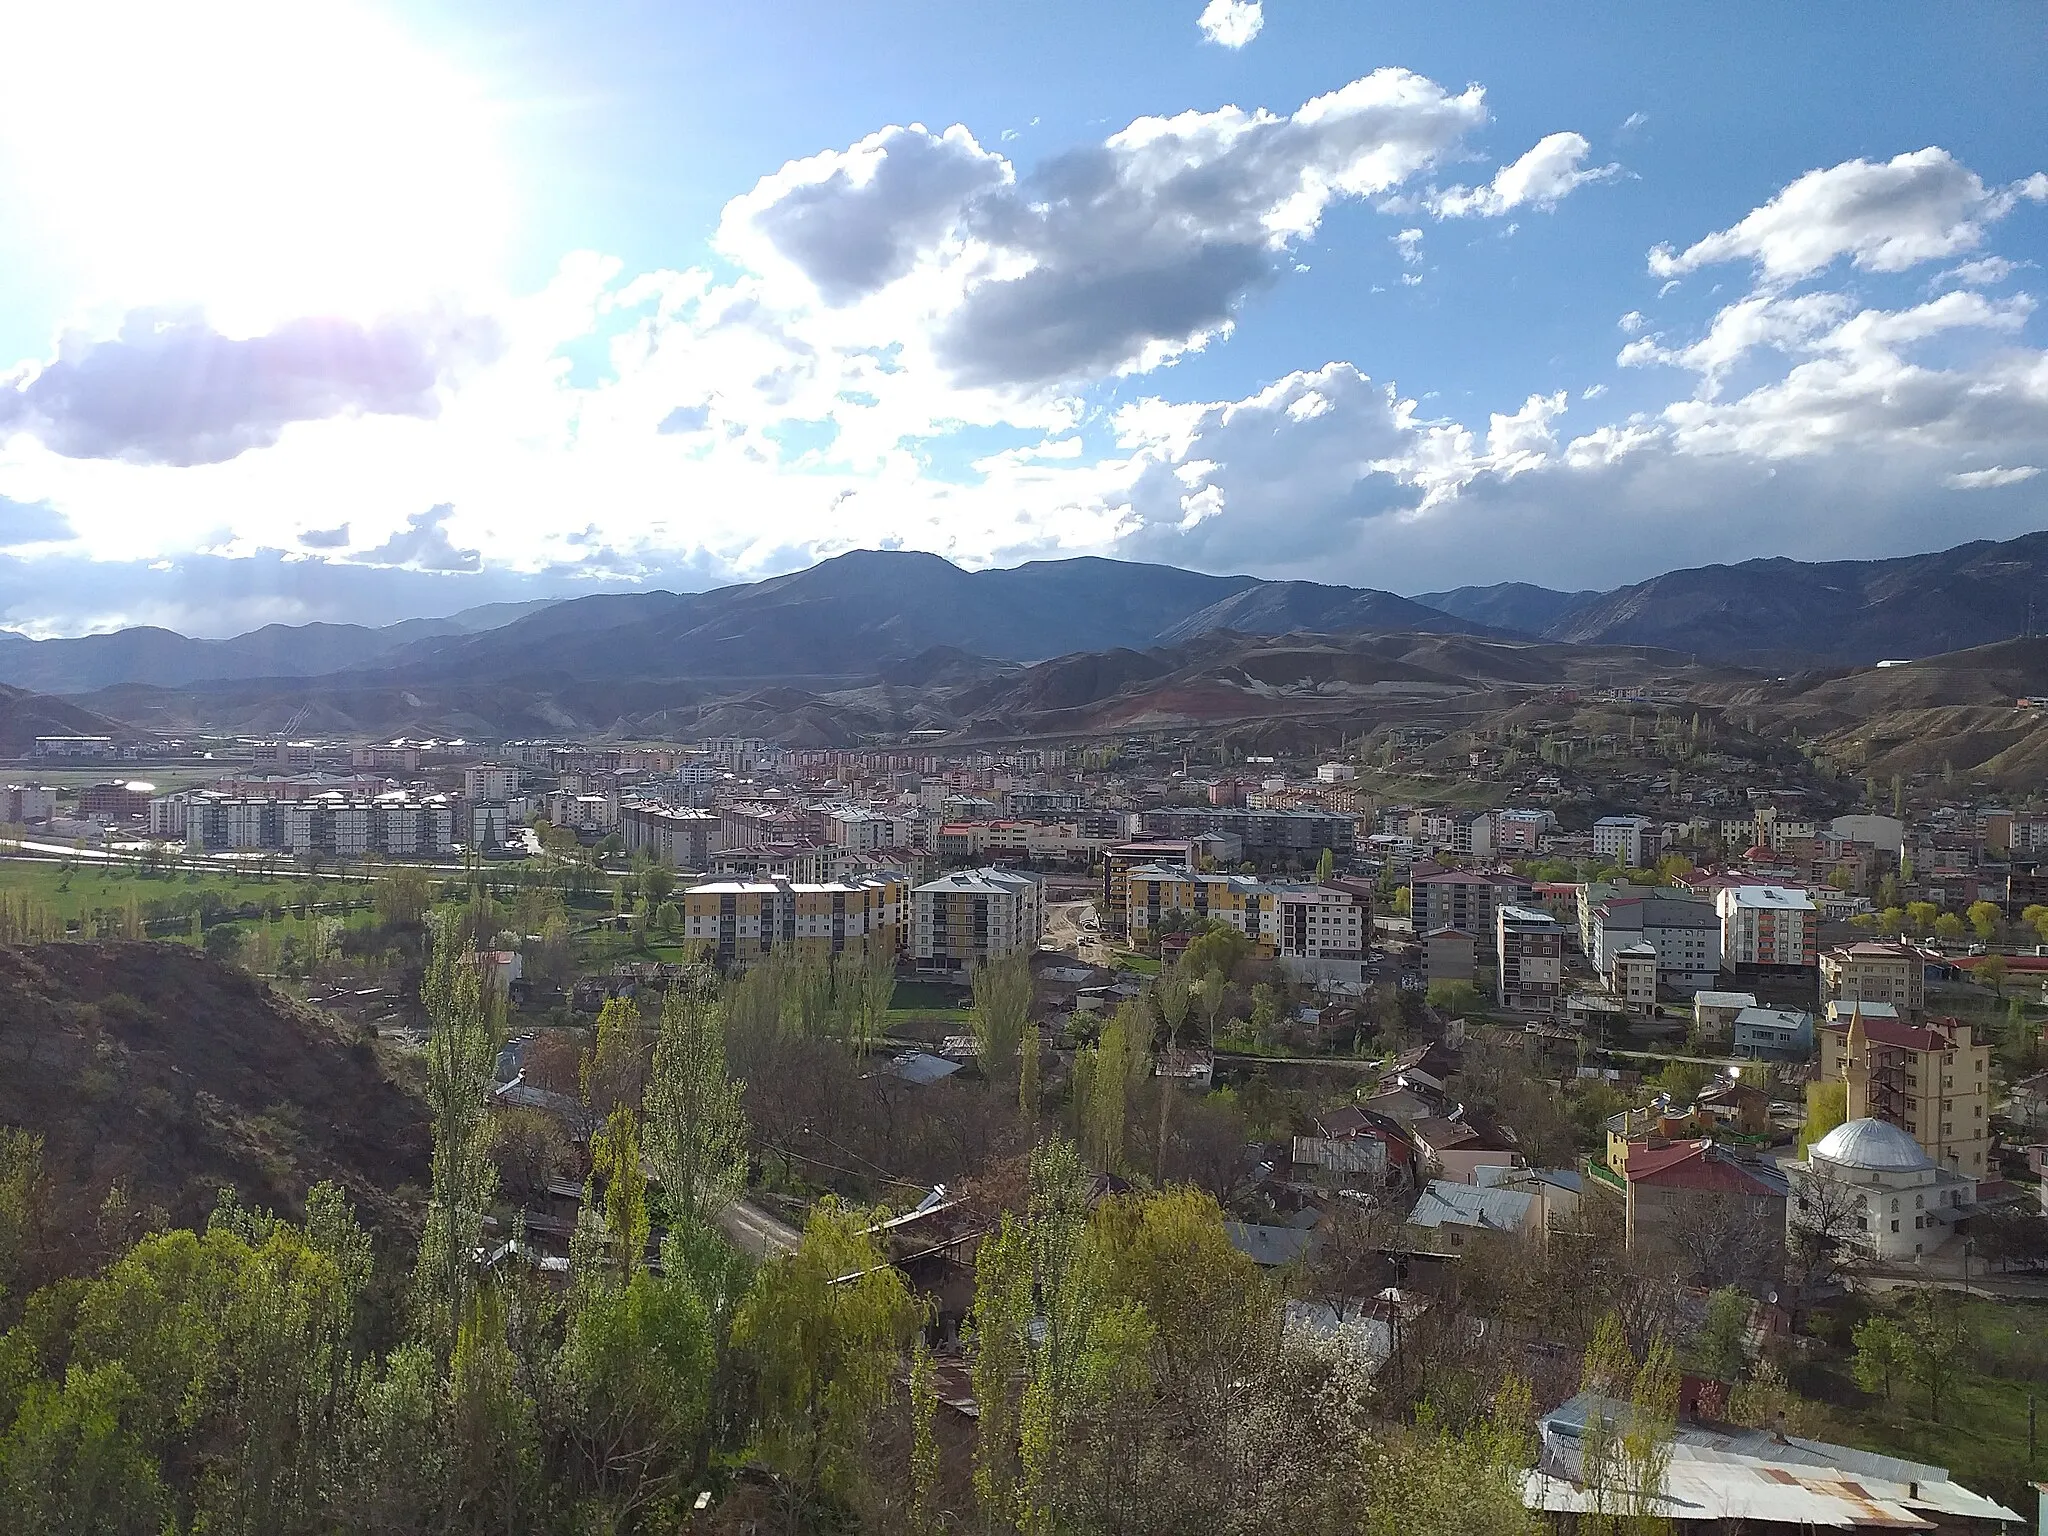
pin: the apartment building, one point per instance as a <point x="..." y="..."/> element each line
<point x="743" y="921"/>
<point x="1875" y="972"/>
<point x="1932" y="1081"/>
<point x="960" y="921"/>
<point x="1520" y="834"/>
<point x="1265" y="836"/>
<point x="683" y="838"/>
<point x="1043" y="804"/>
<point x="1119" y="861"/>
<point x="332" y="825"/>
<point x="1767" y="925"/>
<point x="1283" y="919"/>
<point x="21" y="803"/>
<point x="1681" y="928"/>
<point x="1531" y="949"/>
<point x="1464" y="899"/>
<point x="492" y="783"/>
<point x="582" y="812"/>
<point x="864" y="829"/>
<point x="1632" y="975"/>
<point x="115" y="801"/>
<point x="1624" y="840"/>
<point x="1454" y="832"/>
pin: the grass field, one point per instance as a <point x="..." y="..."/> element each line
<point x="1982" y="1436"/>
<point x="88" y="893"/>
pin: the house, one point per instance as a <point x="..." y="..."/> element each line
<point x="1459" y="1150"/>
<point x="1783" y="1033"/>
<point x="1711" y="1212"/>
<point x="1734" y="1105"/>
<point x="1558" y="1190"/>
<point x="1452" y="1215"/>
<point x="1713" y="1013"/>
<point x="1875" y="972"/>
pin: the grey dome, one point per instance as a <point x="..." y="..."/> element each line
<point x="1872" y="1144"/>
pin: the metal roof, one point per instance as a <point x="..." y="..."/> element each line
<point x="1467" y="1205"/>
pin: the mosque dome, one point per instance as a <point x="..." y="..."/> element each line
<point x="1875" y="1145"/>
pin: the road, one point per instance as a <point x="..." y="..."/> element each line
<point x="1065" y="929"/>
<point x="756" y="1232"/>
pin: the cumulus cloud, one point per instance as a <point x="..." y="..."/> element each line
<point x="1231" y="23"/>
<point x="325" y="538"/>
<point x="1548" y="172"/>
<point x="423" y="545"/>
<point x="30" y="522"/>
<point x="1991" y="479"/>
<point x="1409" y="243"/>
<point x="1110" y="258"/>
<point x="169" y="389"/>
<point x="1885" y="217"/>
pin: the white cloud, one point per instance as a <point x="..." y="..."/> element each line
<point x="1409" y="243"/>
<point x="1985" y="271"/>
<point x="1885" y="217"/>
<point x="1634" y="121"/>
<point x="1631" y="322"/>
<point x="1989" y="479"/>
<point x="1545" y="174"/>
<point x="1231" y="23"/>
<point x="1592" y="391"/>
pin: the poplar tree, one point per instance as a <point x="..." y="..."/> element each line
<point x="696" y="1130"/>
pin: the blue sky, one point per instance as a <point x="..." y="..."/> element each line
<point x="361" y="311"/>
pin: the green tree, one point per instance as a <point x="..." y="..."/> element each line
<point x="1001" y="1009"/>
<point x="1948" y="927"/>
<point x="1827" y="1106"/>
<point x="1992" y="971"/>
<point x="1458" y="997"/>
<point x="615" y="1158"/>
<point x="392" y="1460"/>
<point x="925" y="1519"/>
<point x="461" y="1057"/>
<point x="2036" y="917"/>
<point x="1170" y="996"/>
<point x="72" y="1463"/>
<point x="1883" y="1354"/>
<point x="1987" y="918"/>
<point x="999" y="1349"/>
<point x="1326" y="867"/>
<point x="493" y="1429"/>
<point x="1028" y="1072"/>
<point x="823" y="1328"/>
<point x="1720" y="1346"/>
<point x="1938" y="1346"/>
<point x="1921" y="916"/>
<point x="1105" y="1074"/>
<point x="638" y="1362"/>
<point x="696" y="1131"/>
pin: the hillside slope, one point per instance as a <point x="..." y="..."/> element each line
<point x="151" y="1065"/>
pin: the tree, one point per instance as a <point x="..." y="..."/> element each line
<point x="615" y="1070"/>
<point x="1028" y="1089"/>
<point x="615" y="1158"/>
<point x="1987" y="918"/>
<point x="73" y="1463"/>
<point x="492" y="1426"/>
<point x="1458" y="997"/>
<point x="1002" y="1007"/>
<point x="999" y="1349"/>
<point x="1104" y="1076"/>
<point x="461" y="1057"/>
<point x="1170" y="995"/>
<point x="2036" y="918"/>
<point x="1948" y="927"/>
<point x="823" y="1328"/>
<point x="1938" y="1344"/>
<point x="1921" y="915"/>
<point x="1827" y="1106"/>
<point x="696" y="1128"/>
<point x="1720" y="1344"/>
<point x="656" y="881"/>
<point x="1992" y="971"/>
<point x="1326" y="867"/>
<point x="638" y="1361"/>
<point x="1883" y="1354"/>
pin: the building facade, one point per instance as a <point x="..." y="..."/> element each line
<point x="1531" y="949"/>
<point x="1873" y="972"/>
<point x="1266" y="836"/>
<point x="1932" y="1081"/>
<point x="1467" y="899"/>
<point x="1767" y="925"/>
<point x="680" y="838"/>
<point x="961" y="921"/>
<point x="1623" y="840"/>
<point x="743" y="921"/>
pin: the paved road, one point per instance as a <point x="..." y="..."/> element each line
<point x="758" y="1233"/>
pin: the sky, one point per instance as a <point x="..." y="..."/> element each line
<point x="361" y="311"/>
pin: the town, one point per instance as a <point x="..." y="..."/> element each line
<point x="1772" y="1056"/>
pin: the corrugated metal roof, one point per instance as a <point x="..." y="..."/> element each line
<point x="1467" y="1205"/>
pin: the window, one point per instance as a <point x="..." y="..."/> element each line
<point x="1895" y="1226"/>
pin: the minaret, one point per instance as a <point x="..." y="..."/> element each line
<point x="1856" y="1065"/>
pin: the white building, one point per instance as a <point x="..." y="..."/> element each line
<point x="493" y="783"/>
<point x="865" y="830"/>
<point x="961" y="920"/>
<point x="1767" y="925"/>
<point x="1623" y="840"/>
<point x="1683" y="929"/>
<point x="1336" y="773"/>
<point x="1897" y="1203"/>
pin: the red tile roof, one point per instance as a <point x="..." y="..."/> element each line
<point x="1899" y="1034"/>
<point x="1696" y="1165"/>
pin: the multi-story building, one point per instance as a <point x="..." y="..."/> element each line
<point x="21" y="803"/>
<point x="1531" y="949"/>
<point x="492" y="783"/>
<point x="680" y="838"/>
<point x="337" y="826"/>
<point x="1286" y="920"/>
<point x="115" y="801"/>
<point x="1680" y="927"/>
<point x="1118" y="862"/>
<point x="1932" y="1081"/>
<point x="1466" y="899"/>
<point x="1623" y="840"/>
<point x="1632" y="974"/>
<point x="1266" y="836"/>
<point x="978" y="842"/>
<point x="74" y="746"/>
<point x="486" y="824"/>
<point x="1043" y="804"/>
<point x="1454" y="832"/>
<point x="960" y="921"/>
<point x="401" y="757"/>
<point x="1874" y="972"/>
<point x="863" y="829"/>
<point x="743" y="921"/>
<point x="1767" y="925"/>
<point x="1519" y="834"/>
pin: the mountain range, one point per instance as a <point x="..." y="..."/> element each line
<point x="872" y="614"/>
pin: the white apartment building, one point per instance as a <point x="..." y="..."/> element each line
<point x="1625" y="840"/>
<point x="1767" y="925"/>
<point x="960" y="921"/>
<point x="683" y="838"/>
<point x="583" y="813"/>
<point x="1454" y="832"/>
<point x="1684" y="931"/>
<point x="332" y="825"/>
<point x="864" y="830"/>
<point x="1336" y="773"/>
<point x="494" y="783"/>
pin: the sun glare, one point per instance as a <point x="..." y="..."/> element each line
<point x="264" y="159"/>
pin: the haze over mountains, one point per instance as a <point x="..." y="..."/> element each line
<point x="904" y="618"/>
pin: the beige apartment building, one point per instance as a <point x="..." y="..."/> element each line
<point x="1932" y="1081"/>
<point x="960" y="921"/>
<point x="1872" y="972"/>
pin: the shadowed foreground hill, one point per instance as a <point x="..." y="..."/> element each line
<point x="176" y="1075"/>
